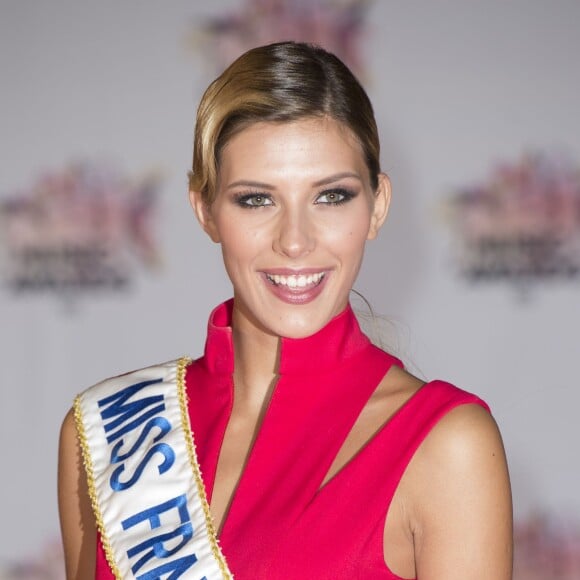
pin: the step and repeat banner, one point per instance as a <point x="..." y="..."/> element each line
<point x="475" y="276"/>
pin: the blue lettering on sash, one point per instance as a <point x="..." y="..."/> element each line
<point x="120" y="416"/>
<point x="160" y="423"/>
<point x="168" y="458"/>
<point x="155" y="547"/>
<point x="178" y="567"/>
<point x="120" y="411"/>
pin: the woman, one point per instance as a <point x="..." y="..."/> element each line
<point x="320" y="456"/>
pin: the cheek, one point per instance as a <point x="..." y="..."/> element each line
<point x="349" y="244"/>
<point x="240" y="246"/>
<point x="349" y="233"/>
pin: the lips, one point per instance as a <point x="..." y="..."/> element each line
<point x="296" y="288"/>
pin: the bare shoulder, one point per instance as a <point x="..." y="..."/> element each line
<point x="464" y="449"/>
<point x="458" y="486"/>
<point x="69" y="454"/>
<point x="68" y="432"/>
<point x="76" y="517"/>
<point x="464" y="438"/>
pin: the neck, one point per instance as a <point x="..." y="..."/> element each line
<point x="256" y="361"/>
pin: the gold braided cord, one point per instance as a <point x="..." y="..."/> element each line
<point x="182" y="364"/>
<point x="88" y="463"/>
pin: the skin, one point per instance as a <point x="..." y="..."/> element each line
<point x="450" y="517"/>
<point x="77" y="522"/>
<point x="296" y="227"/>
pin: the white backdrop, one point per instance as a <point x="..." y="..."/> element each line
<point x="456" y="85"/>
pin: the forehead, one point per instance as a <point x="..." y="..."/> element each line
<point x="311" y="145"/>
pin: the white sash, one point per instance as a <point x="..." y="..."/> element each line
<point x="144" y="479"/>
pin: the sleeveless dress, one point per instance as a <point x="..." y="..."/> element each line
<point x="282" y="523"/>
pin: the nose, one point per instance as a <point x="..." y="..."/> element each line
<point x="295" y="236"/>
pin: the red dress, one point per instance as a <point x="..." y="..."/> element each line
<point x="282" y="523"/>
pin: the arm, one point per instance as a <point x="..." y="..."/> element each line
<point x="77" y="522"/>
<point x="462" y="516"/>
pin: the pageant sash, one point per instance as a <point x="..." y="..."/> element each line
<point x="144" y="479"/>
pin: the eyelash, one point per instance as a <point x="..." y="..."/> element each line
<point x="244" y="199"/>
<point x="344" y="194"/>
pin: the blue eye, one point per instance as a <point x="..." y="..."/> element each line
<point x="253" y="200"/>
<point x="335" y="196"/>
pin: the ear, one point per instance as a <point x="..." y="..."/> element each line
<point x="382" y="200"/>
<point x="203" y="213"/>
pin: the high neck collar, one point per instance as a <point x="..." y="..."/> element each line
<point x="339" y="340"/>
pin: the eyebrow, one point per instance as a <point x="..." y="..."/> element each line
<point x="324" y="181"/>
<point x="337" y="177"/>
<point x="245" y="183"/>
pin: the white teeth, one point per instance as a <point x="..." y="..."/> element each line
<point x="293" y="281"/>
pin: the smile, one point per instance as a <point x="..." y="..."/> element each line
<point x="299" y="281"/>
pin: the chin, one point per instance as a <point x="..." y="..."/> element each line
<point x="293" y="321"/>
<point x="302" y="326"/>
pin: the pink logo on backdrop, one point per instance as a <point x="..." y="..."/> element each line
<point x="337" y="25"/>
<point x="82" y="229"/>
<point x="521" y="224"/>
<point x="546" y="547"/>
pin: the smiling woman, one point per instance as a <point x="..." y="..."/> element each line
<point x="293" y="447"/>
<point x="292" y="210"/>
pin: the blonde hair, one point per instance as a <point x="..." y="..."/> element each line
<point x="279" y="82"/>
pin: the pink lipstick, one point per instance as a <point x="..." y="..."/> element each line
<point x="296" y="287"/>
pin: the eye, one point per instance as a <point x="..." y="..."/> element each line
<point x="253" y="200"/>
<point x="335" y="196"/>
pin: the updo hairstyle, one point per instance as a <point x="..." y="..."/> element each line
<point x="279" y="82"/>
